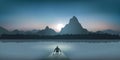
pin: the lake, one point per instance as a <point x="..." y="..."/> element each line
<point x="73" y="49"/>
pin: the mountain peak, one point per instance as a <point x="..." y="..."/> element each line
<point x="46" y="28"/>
<point x="73" y="27"/>
<point x="74" y="20"/>
<point x="47" y="31"/>
<point x="74" y="17"/>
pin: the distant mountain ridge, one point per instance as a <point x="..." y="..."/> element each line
<point x="47" y="31"/>
<point x="109" y="31"/>
<point x="3" y="30"/>
<point x="73" y="27"/>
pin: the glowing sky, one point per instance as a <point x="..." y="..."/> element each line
<point x="36" y="14"/>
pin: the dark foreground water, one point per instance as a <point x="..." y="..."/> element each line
<point x="73" y="50"/>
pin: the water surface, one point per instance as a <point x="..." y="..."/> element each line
<point x="73" y="50"/>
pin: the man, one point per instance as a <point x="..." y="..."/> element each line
<point x="57" y="49"/>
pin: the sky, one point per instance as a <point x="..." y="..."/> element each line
<point x="93" y="15"/>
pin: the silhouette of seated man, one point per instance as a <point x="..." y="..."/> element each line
<point x="57" y="49"/>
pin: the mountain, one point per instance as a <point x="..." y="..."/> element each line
<point x="109" y="31"/>
<point x="3" y="31"/>
<point x="73" y="27"/>
<point x="47" y="31"/>
<point x="17" y="32"/>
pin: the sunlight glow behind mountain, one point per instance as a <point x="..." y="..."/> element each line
<point x="59" y="27"/>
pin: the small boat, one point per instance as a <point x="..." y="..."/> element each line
<point x="57" y="51"/>
<point x="57" y="54"/>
